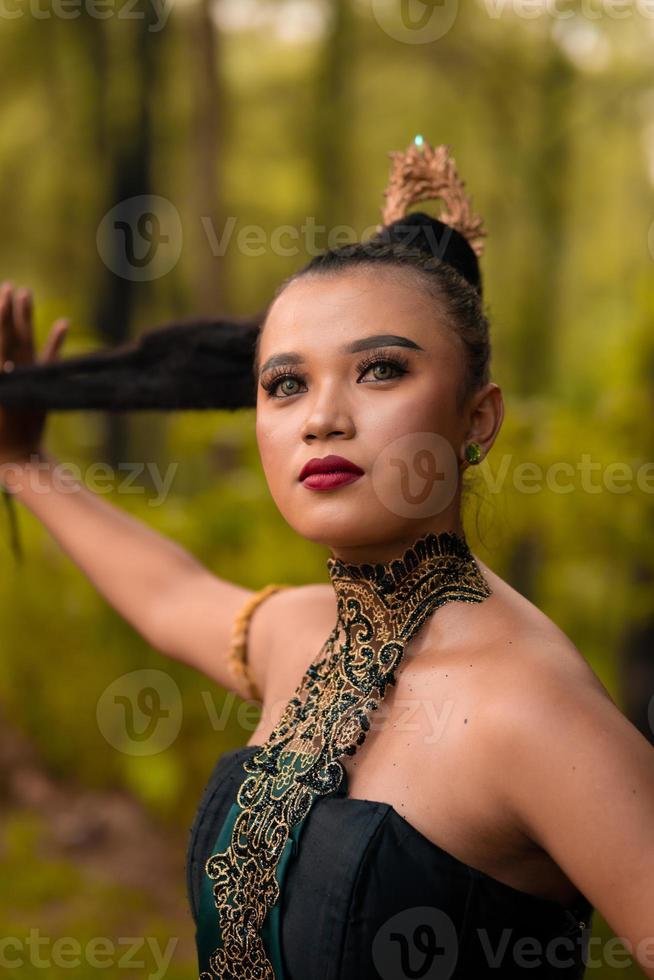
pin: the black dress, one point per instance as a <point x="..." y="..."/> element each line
<point x="338" y="888"/>
<point x="367" y="896"/>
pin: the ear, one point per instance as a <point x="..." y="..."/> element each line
<point x="485" y="416"/>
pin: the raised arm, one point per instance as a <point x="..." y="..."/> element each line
<point x="170" y="598"/>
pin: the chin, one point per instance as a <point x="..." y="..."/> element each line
<point x="338" y="526"/>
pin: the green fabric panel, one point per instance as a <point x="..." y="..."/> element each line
<point x="271" y="934"/>
<point x="208" y="935"/>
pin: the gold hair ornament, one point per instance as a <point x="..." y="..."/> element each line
<point x="422" y="173"/>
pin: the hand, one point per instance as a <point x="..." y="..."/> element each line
<point x="21" y="430"/>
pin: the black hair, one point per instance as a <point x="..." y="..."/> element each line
<point x="190" y="364"/>
<point x="444" y="264"/>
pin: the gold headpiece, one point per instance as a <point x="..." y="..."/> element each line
<point x="422" y="173"/>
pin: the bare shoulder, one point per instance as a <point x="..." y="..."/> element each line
<point x="534" y="693"/>
<point x="285" y="628"/>
<point x="572" y="770"/>
<point x="527" y="645"/>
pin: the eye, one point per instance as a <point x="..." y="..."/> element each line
<point x="271" y="383"/>
<point x="398" y="363"/>
<point x="282" y="383"/>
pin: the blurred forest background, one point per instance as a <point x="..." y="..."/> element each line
<point x="274" y="113"/>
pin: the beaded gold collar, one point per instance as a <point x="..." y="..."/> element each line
<point x="380" y="607"/>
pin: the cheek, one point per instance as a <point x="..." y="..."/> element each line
<point x="428" y="408"/>
<point x="271" y="427"/>
<point x="275" y="443"/>
<point x="414" y="471"/>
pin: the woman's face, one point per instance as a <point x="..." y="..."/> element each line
<point x="399" y="424"/>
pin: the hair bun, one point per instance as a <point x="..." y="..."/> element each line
<point x="435" y="238"/>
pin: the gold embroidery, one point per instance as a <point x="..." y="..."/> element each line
<point x="380" y="608"/>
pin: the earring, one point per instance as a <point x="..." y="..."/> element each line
<point x="473" y="453"/>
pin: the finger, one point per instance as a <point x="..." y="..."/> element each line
<point x="6" y="331"/>
<point x="23" y="325"/>
<point x="55" y="340"/>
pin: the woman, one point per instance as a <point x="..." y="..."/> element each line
<point x="442" y="787"/>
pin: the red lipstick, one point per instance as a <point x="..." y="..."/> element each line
<point x="329" y="472"/>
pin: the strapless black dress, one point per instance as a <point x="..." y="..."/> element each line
<point x="368" y="897"/>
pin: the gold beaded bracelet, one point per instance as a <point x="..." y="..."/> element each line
<point x="237" y="653"/>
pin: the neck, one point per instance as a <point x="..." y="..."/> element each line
<point x="387" y="550"/>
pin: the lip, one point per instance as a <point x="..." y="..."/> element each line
<point x="329" y="465"/>
<point x="327" y="481"/>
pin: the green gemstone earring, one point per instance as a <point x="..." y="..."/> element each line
<point x="473" y="453"/>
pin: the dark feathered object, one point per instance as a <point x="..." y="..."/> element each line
<point x="192" y="364"/>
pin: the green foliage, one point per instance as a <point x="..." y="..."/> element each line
<point x="548" y="132"/>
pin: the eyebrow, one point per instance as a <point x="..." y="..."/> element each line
<point x="379" y="340"/>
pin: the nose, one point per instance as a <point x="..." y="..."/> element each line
<point x="326" y="421"/>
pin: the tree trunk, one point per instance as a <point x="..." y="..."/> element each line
<point x="128" y="149"/>
<point x="208" y="115"/>
<point x="333" y="119"/>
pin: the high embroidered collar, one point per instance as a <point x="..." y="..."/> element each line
<point x="440" y="566"/>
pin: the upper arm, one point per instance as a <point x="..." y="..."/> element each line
<point x="580" y="779"/>
<point x="286" y="630"/>
<point x="193" y="624"/>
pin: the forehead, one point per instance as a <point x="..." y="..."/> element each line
<point x="316" y="311"/>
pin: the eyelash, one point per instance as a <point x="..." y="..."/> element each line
<point x="397" y="361"/>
